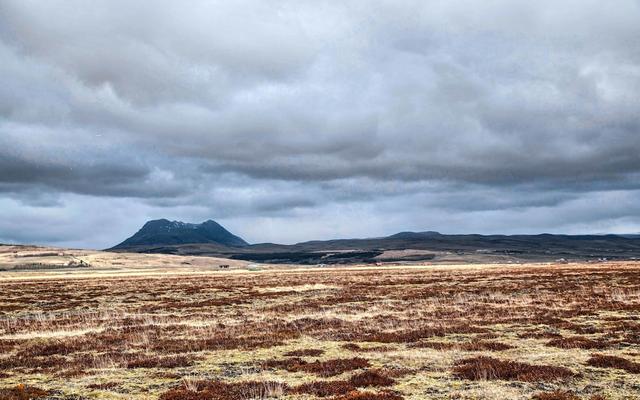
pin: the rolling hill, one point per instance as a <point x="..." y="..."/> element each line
<point x="211" y="239"/>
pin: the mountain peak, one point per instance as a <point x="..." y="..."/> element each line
<point x="415" y="235"/>
<point x="162" y="232"/>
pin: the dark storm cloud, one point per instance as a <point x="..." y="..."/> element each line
<point x="367" y="117"/>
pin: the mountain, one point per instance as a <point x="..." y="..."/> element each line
<point x="409" y="247"/>
<point x="162" y="232"/>
<point x="414" y="235"/>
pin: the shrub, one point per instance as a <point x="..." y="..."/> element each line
<point x="322" y="368"/>
<point x="357" y="395"/>
<point x="144" y="361"/>
<point x="562" y="395"/>
<point x="305" y="353"/>
<point x="22" y="392"/>
<point x="359" y="349"/>
<point x="371" y="378"/>
<point x="604" y="361"/>
<point x="488" y="368"/>
<point x="216" y="390"/>
<point x="578" y="342"/>
<point x="556" y="395"/>
<point x="325" y="388"/>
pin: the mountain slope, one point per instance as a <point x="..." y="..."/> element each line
<point x="162" y="232"/>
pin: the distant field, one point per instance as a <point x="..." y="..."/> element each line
<point x="30" y="261"/>
<point x="535" y="331"/>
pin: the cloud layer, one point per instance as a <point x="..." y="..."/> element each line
<point x="295" y="120"/>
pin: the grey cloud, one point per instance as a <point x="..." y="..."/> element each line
<point x="299" y="110"/>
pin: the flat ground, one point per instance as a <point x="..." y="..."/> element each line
<point x="537" y="331"/>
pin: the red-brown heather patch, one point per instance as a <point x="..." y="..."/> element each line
<point x="488" y="368"/>
<point x="485" y="345"/>
<point x="606" y="361"/>
<point x="359" y="349"/>
<point x="563" y="395"/>
<point x="358" y="395"/>
<point x="325" y="388"/>
<point x="556" y="395"/>
<point x="406" y="336"/>
<point x="322" y="368"/>
<point x="371" y="378"/>
<point x="22" y="392"/>
<point x="147" y="361"/>
<point x="217" y="390"/>
<point x="578" y="342"/>
<point x="474" y="345"/>
<point x="539" y="335"/>
<point x="305" y="353"/>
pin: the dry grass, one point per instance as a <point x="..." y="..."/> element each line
<point x="465" y="332"/>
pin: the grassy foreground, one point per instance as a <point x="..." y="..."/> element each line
<point x="450" y="332"/>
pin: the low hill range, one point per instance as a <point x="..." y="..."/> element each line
<point x="211" y="239"/>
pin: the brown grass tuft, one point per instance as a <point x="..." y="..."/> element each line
<point x="357" y="395"/>
<point x="322" y="368"/>
<point x="578" y="342"/>
<point x="145" y="361"/>
<point x="22" y="392"/>
<point x="556" y="395"/>
<point x="605" y="361"/>
<point x="563" y="395"/>
<point x="216" y="390"/>
<point x="474" y="345"/>
<point x="305" y="353"/>
<point x="488" y="368"/>
<point x="325" y="388"/>
<point x="371" y="378"/>
<point x="359" y="349"/>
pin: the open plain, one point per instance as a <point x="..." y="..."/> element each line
<point x="528" y="331"/>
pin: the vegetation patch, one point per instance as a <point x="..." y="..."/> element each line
<point x="371" y="378"/>
<point x="217" y="390"/>
<point x="488" y="368"/>
<point x="474" y="345"/>
<point x="605" y="361"/>
<point x="305" y="353"/>
<point x="359" y="349"/>
<point x="578" y="342"/>
<point x="563" y="395"/>
<point x="22" y="392"/>
<point x="358" y="395"/>
<point x="325" y="388"/>
<point x="322" y="368"/>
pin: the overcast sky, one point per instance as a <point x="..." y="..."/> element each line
<point x="291" y="120"/>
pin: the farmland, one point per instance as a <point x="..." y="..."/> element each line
<point x="528" y="331"/>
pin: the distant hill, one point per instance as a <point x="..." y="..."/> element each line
<point x="162" y="232"/>
<point x="400" y="247"/>
<point x="414" y="235"/>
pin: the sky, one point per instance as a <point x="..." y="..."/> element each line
<point x="295" y="120"/>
